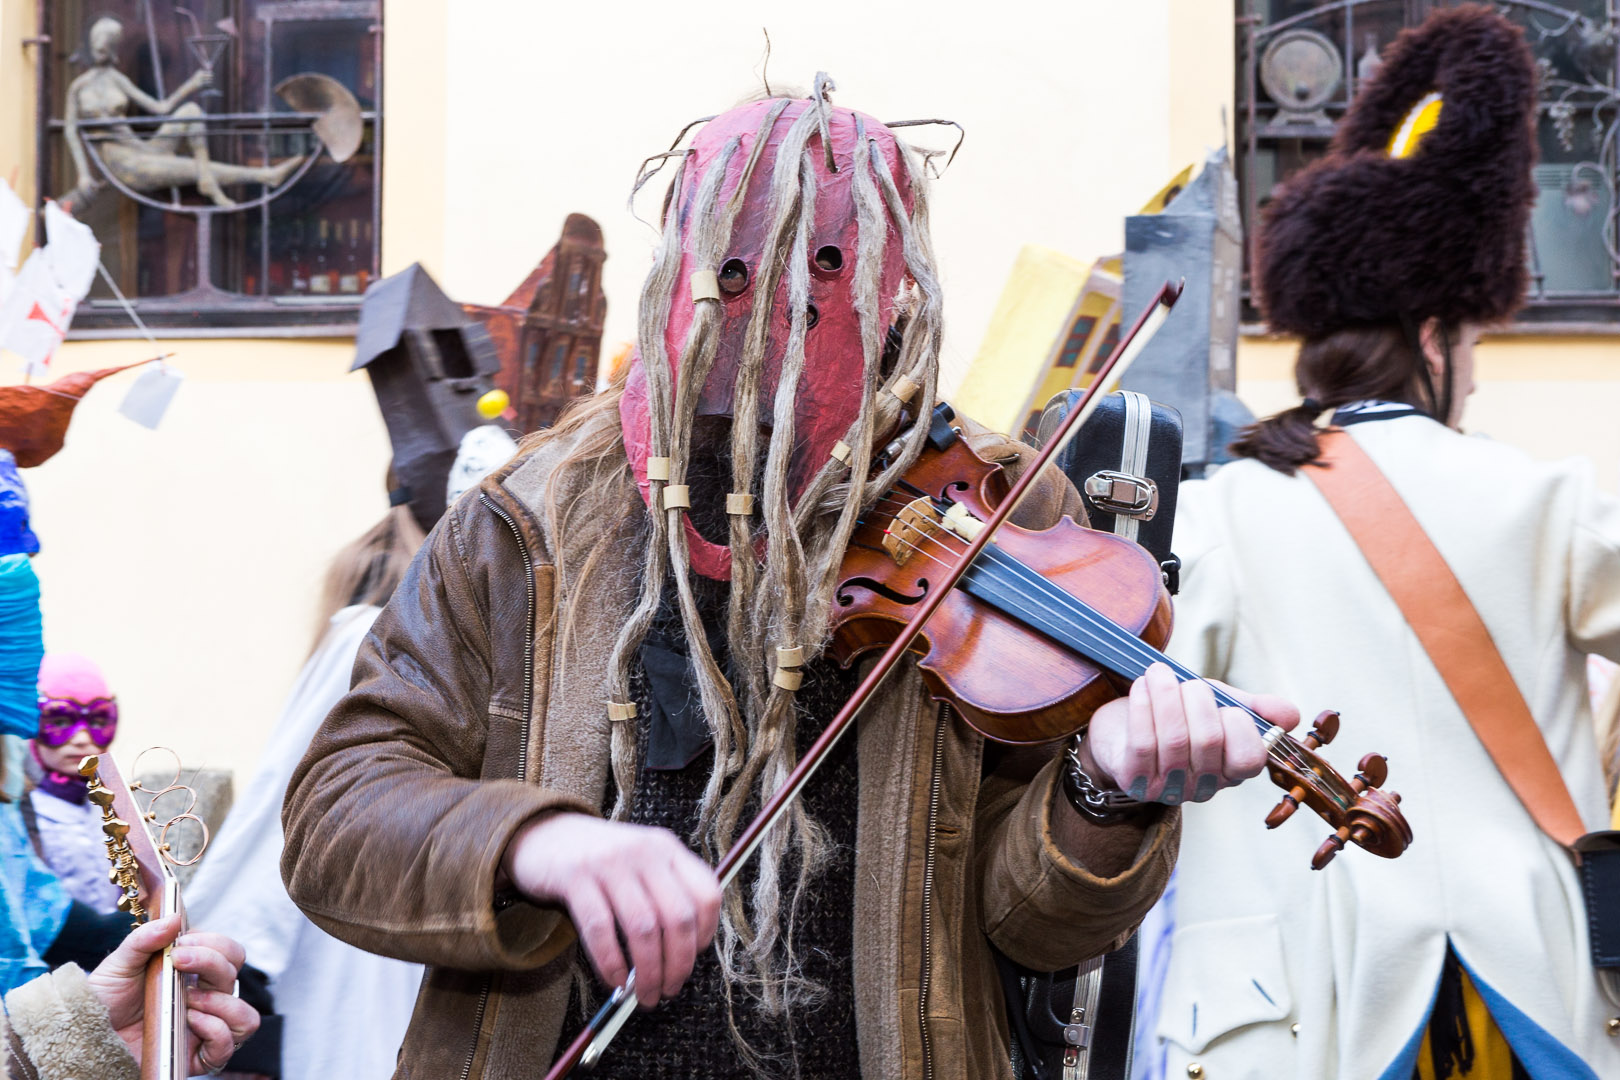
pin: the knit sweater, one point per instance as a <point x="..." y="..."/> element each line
<point x="677" y="1040"/>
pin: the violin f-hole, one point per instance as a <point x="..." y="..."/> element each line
<point x="845" y="599"/>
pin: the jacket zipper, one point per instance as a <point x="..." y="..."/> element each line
<point x="928" y="887"/>
<point x="528" y="641"/>
<point x="523" y="742"/>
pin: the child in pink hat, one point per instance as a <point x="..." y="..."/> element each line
<point x="78" y="716"/>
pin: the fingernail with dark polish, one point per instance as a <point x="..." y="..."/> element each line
<point x="1138" y="788"/>
<point x="1207" y="785"/>
<point x="1173" y="785"/>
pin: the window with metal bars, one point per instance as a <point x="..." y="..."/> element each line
<point x="200" y="140"/>
<point x="1301" y="62"/>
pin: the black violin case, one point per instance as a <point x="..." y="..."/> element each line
<point x="1079" y="1024"/>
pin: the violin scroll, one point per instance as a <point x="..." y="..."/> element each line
<point x="1359" y="812"/>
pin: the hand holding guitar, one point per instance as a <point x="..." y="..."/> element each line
<point x="168" y="990"/>
<point x="218" y="1021"/>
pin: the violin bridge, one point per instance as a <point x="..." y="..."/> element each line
<point x="914" y="528"/>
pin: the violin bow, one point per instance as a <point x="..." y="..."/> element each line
<point x="587" y="1049"/>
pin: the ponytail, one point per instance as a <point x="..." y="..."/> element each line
<point x="1374" y="362"/>
<point x="1284" y="440"/>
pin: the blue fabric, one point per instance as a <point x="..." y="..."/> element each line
<point x="1149" y="1053"/>
<point x="16" y="537"/>
<point x="33" y="905"/>
<point x="22" y="646"/>
<point x="1543" y="1057"/>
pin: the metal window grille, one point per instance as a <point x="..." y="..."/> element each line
<point x="287" y="262"/>
<point x="1300" y="64"/>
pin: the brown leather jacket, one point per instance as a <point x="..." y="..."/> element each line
<point x="477" y="702"/>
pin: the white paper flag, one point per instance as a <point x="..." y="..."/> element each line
<point x="14" y="217"/>
<point x="36" y="314"/>
<point x="148" y="399"/>
<point x="72" y="249"/>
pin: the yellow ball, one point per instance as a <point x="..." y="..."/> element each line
<point x="493" y="404"/>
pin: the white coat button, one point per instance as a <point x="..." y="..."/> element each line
<point x="1195" y="1071"/>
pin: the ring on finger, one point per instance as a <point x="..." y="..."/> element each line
<point x="213" y="1070"/>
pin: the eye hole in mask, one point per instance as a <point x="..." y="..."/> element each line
<point x="733" y="276"/>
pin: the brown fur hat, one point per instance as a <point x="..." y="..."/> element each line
<point x="1362" y="238"/>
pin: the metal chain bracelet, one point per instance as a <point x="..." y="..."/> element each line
<point x="1098" y="805"/>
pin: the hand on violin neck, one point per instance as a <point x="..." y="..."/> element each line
<point x="1168" y="742"/>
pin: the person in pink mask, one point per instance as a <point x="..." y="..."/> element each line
<point x="78" y="716"/>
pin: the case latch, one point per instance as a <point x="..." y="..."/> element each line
<point x="1123" y="494"/>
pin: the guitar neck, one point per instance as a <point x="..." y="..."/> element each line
<point x="164" y="1042"/>
<point x="150" y="892"/>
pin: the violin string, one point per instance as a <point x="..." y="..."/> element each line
<point x="1098" y="624"/>
<point x="1098" y="621"/>
<point x="1038" y="619"/>
<point x="1144" y="653"/>
<point x="1284" y="748"/>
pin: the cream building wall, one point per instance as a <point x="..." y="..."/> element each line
<point x="187" y="559"/>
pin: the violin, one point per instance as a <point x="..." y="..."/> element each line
<point x="1047" y="625"/>
<point x="935" y="571"/>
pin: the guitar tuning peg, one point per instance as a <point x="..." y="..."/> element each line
<point x="1324" y="729"/>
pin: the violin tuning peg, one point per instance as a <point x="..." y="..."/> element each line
<point x="1373" y="770"/>
<point x="1284" y="809"/>
<point x="1323" y="729"/>
<point x="1330" y="847"/>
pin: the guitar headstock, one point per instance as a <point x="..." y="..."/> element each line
<point x="137" y="866"/>
<point x="1359" y="812"/>
<point x="138" y="847"/>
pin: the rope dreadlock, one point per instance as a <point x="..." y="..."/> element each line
<point x="656" y="297"/>
<point x="697" y="358"/>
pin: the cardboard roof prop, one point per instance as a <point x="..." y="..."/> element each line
<point x="1420" y="208"/>
<point x="429" y="364"/>
<point x="548" y="332"/>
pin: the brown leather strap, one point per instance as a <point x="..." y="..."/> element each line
<point x="21" y="1067"/>
<point x="1449" y="628"/>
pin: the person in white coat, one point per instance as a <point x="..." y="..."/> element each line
<point x="1467" y="957"/>
<point x="344" y="1011"/>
